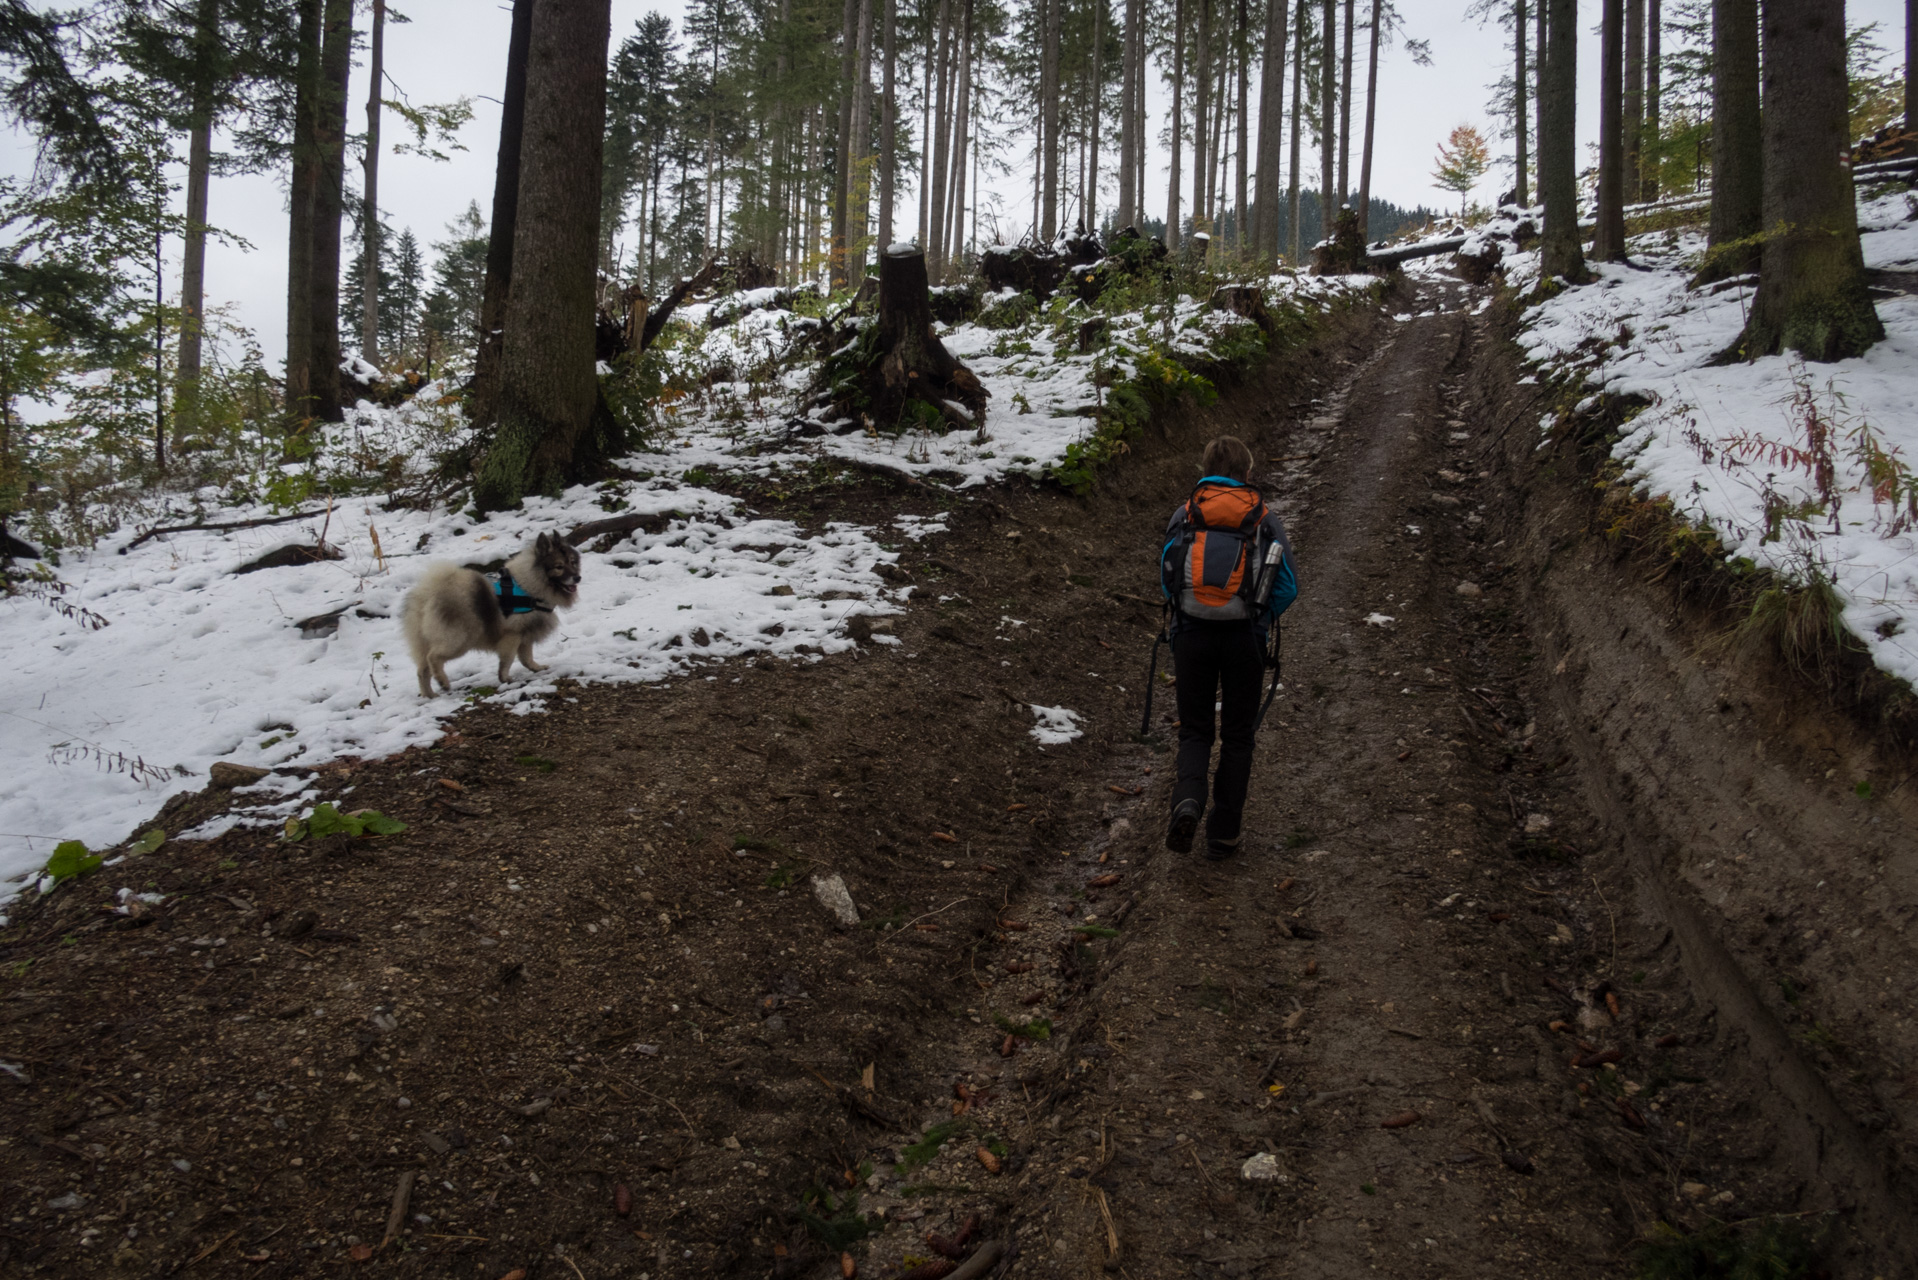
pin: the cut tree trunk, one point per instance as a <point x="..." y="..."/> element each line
<point x="1811" y="294"/>
<point x="898" y="374"/>
<point x="1738" y="149"/>
<point x="548" y="390"/>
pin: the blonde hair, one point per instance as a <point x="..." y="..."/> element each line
<point x="1227" y="456"/>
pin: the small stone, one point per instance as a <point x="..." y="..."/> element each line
<point x="439" y="1145"/>
<point x="1694" y="1190"/>
<point x="834" y="897"/>
<point x="1263" y="1167"/>
<point x="1470" y="590"/>
<point x="225" y="774"/>
<point x="297" y="925"/>
<point x="1537" y="824"/>
<point x="71" y="1200"/>
<point x="730" y="1143"/>
<point x="781" y="590"/>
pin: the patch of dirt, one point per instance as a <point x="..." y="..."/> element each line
<point x="1436" y="998"/>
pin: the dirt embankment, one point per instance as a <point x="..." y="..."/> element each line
<point x="1772" y="833"/>
<point x="1444" y="1009"/>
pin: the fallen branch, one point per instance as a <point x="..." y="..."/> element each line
<point x="232" y="524"/>
<point x="651" y="522"/>
<point x="402" y="1197"/>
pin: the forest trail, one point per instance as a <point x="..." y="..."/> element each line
<point x="1351" y="967"/>
<point x="590" y="1015"/>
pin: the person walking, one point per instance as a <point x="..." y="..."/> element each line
<point x="1227" y="573"/>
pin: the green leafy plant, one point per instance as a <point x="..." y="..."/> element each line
<point x="71" y="859"/>
<point x="148" y="842"/>
<point x="835" y="1222"/>
<point x="541" y="763"/>
<point x="1036" y="1029"/>
<point x="1767" y="1249"/>
<point x="327" y="820"/>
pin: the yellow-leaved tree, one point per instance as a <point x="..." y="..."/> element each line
<point x="1462" y="160"/>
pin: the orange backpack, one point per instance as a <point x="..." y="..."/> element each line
<point x="1209" y="566"/>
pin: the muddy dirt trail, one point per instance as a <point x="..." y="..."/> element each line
<point x="589" y="1016"/>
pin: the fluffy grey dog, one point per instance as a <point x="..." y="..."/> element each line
<point x="453" y="611"/>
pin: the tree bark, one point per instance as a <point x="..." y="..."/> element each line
<point x="859" y="172"/>
<point x="1811" y="282"/>
<point x="1241" y="232"/>
<point x="908" y="362"/>
<point x="1561" y="254"/>
<point x="1049" y="109"/>
<point x="1298" y="114"/>
<point x="193" y="256"/>
<point x="1608" y="240"/>
<point x="1328" y="110"/>
<point x="1538" y="90"/>
<point x="483" y="405"/>
<point x="1127" y="210"/>
<point x="1092" y="136"/>
<point x="1371" y="121"/>
<point x="1738" y="153"/>
<point x="303" y="183"/>
<point x="1265" y="199"/>
<point x="370" y="220"/>
<point x="1201" y="102"/>
<point x="1345" y="110"/>
<point x="842" y="168"/>
<point x="952" y="243"/>
<point x="942" y="130"/>
<point x="888" y="128"/>
<point x="547" y="385"/>
<point x="1633" y="159"/>
<point x="1178" y="123"/>
<point x="1651" y="146"/>
<point x="329" y="198"/>
<point x="1521" y="107"/>
<point x="1910" y="146"/>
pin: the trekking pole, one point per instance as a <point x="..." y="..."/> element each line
<point x="1151" y="673"/>
<point x="1271" y="660"/>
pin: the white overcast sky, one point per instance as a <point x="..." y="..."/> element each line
<point x="455" y="48"/>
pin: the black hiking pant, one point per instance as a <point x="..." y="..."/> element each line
<point x="1222" y="663"/>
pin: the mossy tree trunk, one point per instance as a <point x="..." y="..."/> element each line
<point x="1811" y="281"/>
<point x="1738" y="182"/>
<point x="548" y="388"/>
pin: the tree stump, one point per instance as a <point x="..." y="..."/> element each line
<point x="1343" y="252"/>
<point x="898" y="373"/>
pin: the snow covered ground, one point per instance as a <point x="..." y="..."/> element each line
<point x="199" y="664"/>
<point x="1731" y="446"/>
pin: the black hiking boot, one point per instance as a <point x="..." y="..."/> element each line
<point x="1184" y="825"/>
<point x="1217" y="850"/>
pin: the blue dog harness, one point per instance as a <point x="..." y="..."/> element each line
<point x="513" y="598"/>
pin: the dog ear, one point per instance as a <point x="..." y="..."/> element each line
<point x="544" y="542"/>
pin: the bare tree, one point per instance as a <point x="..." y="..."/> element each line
<point x="1202" y="72"/>
<point x="1811" y="294"/>
<point x="1049" y="110"/>
<point x="1128" y="212"/>
<point x="1243" y="48"/>
<point x="1651" y="144"/>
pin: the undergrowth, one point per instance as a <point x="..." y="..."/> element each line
<point x="1767" y="1249"/>
<point x="1795" y="617"/>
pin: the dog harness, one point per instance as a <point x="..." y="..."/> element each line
<point x="513" y="598"/>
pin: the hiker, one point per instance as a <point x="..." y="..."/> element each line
<point x="1227" y="574"/>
